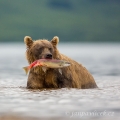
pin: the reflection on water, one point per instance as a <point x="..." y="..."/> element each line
<point x="102" y="60"/>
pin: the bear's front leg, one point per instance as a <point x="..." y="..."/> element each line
<point x="35" y="81"/>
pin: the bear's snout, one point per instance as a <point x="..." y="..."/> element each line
<point x="48" y="56"/>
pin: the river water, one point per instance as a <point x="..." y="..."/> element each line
<point x="103" y="103"/>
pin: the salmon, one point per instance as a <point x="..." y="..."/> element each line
<point x="47" y="63"/>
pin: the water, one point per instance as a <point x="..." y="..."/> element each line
<point x="102" y="60"/>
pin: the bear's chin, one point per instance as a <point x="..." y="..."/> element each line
<point x="46" y="58"/>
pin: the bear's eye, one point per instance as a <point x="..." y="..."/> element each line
<point x="40" y="49"/>
<point x="50" y="49"/>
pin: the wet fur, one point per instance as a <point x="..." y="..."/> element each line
<point x="74" y="76"/>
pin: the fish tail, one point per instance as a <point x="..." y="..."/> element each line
<point x="26" y="69"/>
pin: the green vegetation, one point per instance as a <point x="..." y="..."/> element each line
<point x="71" y="20"/>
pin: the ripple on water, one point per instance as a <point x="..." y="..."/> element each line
<point x="62" y="103"/>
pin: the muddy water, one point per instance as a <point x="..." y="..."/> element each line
<point x="102" y="60"/>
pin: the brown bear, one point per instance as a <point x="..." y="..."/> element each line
<point x="73" y="76"/>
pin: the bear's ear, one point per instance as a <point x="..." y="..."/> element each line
<point x="55" y="41"/>
<point x="28" y="41"/>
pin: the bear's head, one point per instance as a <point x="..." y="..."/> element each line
<point x="40" y="49"/>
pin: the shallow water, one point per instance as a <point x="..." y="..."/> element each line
<point x="102" y="60"/>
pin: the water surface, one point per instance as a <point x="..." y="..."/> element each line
<point x="102" y="60"/>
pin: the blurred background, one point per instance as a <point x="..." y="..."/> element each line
<point x="71" y="20"/>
